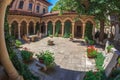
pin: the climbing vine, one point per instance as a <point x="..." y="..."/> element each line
<point x="50" y="28"/>
<point x="88" y="31"/>
<point x="58" y="28"/>
<point x="67" y="29"/>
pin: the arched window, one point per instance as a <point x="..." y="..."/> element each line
<point x="30" y="6"/>
<point x="44" y="11"/>
<point x="21" y="5"/>
<point x="37" y="8"/>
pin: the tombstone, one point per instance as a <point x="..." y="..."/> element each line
<point x="110" y="62"/>
<point x="106" y="45"/>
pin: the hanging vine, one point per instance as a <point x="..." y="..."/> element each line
<point x="58" y="28"/>
<point x="67" y="29"/>
<point x="50" y="28"/>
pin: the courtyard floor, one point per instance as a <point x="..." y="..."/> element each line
<point x="70" y="58"/>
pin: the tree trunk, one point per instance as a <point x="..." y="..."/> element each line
<point x="4" y="57"/>
<point x="102" y="25"/>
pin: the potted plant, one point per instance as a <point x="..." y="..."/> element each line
<point x="26" y="56"/>
<point x="109" y="48"/>
<point x="50" y="42"/>
<point x="40" y="57"/>
<point x="47" y="58"/>
<point x="91" y="52"/>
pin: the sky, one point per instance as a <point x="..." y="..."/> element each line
<point x="53" y="3"/>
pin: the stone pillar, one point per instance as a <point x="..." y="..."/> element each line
<point x="53" y="28"/>
<point x="73" y="29"/>
<point x="46" y="31"/>
<point x="34" y="28"/>
<point x="62" y="29"/>
<point x="10" y="28"/>
<point x="19" y="36"/>
<point x="27" y="29"/>
<point x="83" y="30"/>
<point x="4" y="57"/>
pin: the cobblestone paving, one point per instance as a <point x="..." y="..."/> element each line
<point x="70" y="58"/>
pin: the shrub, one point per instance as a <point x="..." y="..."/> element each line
<point x="26" y="55"/>
<point x="99" y="60"/>
<point x="94" y="76"/>
<point x="91" y="52"/>
<point x="18" y="43"/>
<point x="47" y="57"/>
<point x="118" y="60"/>
<point x="109" y="48"/>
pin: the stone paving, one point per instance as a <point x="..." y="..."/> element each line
<point x="70" y="58"/>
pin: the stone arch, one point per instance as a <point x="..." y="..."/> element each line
<point x="66" y="19"/>
<point x="11" y="21"/>
<point x="50" y="28"/>
<point x="23" y="20"/>
<point x="58" y="19"/>
<point x="23" y="28"/>
<point x="14" y="29"/>
<point x="89" y="20"/>
<point x="49" y="20"/>
<point x="67" y="28"/>
<point x="31" y="28"/>
<point x="31" y="20"/>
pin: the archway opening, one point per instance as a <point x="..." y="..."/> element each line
<point x="37" y="27"/>
<point x="89" y="30"/>
<point x="23" y="28"/>
<point x="43" y="28"/>
<point x="31" y="28"/>
<point x="67" y="29"/>
<point x="14" y="29"/>
<point x="50" y="28"/>
<point x="58" y="28"/>
<point x="78" y="29"/>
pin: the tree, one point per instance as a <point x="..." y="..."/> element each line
<point x="101" y="9"/>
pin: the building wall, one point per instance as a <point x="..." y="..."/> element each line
<point x="35" y="3"/>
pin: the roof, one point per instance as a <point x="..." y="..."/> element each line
<point x="57" y="13"/>
<point x="45" y="2"/>
<point x="24" y="13"/>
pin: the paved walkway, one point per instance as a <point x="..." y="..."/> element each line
<point x="70" y="58"/>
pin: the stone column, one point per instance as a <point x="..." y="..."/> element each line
<point x="53" y="28"/>
<point x="34" y="27"/>
<point x="62" y="29"/>
<point x="83" y="30"/>
<point x="4" y="57"/>
<point x="19" y="36"/>
<point x="73" y="29"/>
<point x="10" y="28"/>
<point x="27" y="29"/>
<point x="46" y="31"/>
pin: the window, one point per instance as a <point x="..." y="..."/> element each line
<point x="21" y="5"/>
<point x="38" y="9"/>
<point x="30" y="6"/>
<point x="44" y="11"/>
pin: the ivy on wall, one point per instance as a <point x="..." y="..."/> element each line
<point x="58" y="28"/>
<point x="67" y="29"/>
<point x="88" y="30"/>
<point x="50" y="28"/>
